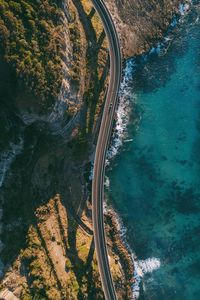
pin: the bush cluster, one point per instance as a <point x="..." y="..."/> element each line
<point x="31" y="40"/>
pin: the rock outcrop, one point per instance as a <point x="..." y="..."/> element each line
<point x="141" y="22"/>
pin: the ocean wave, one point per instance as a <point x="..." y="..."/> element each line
<point x="123" y="230"/>
<point x="120" y="136"/>
<point x="126" y="95"/>
<point x="148" y="265"/>
<point x="126" y="99"/>
<point x="184" y="7"/>
<point x="107" y="182"/>
<point x="141" y="267"/>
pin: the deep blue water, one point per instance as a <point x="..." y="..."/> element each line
<point x="155" y="181"/>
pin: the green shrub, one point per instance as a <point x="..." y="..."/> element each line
<point x="31" y="41"/>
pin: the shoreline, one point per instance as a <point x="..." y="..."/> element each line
<point x="115" y="233"/>
<point x="126" y="98"/>
<point x="120" y="136"/>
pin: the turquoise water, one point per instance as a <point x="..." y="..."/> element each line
<point x="155" y="181"/>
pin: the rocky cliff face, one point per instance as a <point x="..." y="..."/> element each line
<point x="141" y="22"/>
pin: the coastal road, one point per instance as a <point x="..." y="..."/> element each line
<point x="101" y="149"/>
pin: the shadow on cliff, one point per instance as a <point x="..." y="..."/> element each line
<point x="48" y="164"/>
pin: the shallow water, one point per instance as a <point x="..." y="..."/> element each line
<point x="155" y="181"/>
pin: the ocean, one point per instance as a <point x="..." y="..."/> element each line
<point x="154" y="179"/>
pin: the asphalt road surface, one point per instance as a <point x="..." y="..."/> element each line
<point x="101" y="149"/>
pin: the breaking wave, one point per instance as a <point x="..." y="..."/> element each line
<point x="120" y="136"/>
<point x="126" y="99"/>
<point x="126" y="94"/>
<point x="141" y="268"/>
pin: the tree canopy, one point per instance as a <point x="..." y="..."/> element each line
<point x="31" y="40"/>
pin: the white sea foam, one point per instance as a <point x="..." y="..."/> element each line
<point x="142" y="267"/>
<point x="184" y="7"/>
<point x="147" y="266"/>
<point x="128" y="140"/>
<point x="107" y="182"/>
<point x="126" y="96"/>
<point x="123" y="110"/>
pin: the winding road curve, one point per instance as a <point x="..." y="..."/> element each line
<point x="101" y="149"/>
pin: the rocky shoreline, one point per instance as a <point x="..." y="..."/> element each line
<point x="134" y="269"/>
<point x="141" y="23"/>
<point x="120" y="247"/>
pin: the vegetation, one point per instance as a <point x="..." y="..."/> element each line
<point x="58" y="259"/>
<point x="42" y="283"/>
<point x="31" y="41"/>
